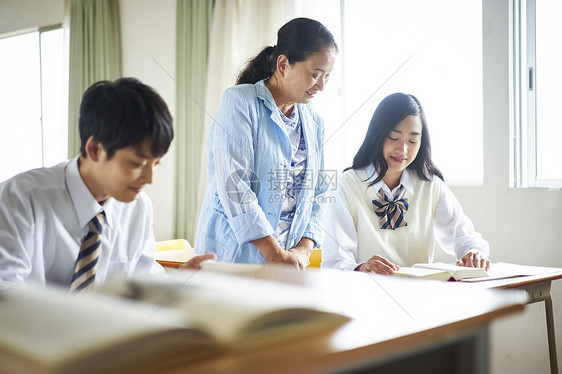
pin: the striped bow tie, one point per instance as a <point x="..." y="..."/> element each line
<point x="391" y="212"/>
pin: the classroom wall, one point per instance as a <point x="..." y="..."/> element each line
<point x="17" y="15"/>
<point x="148" y="32"/>
<point x="522" y="225"/>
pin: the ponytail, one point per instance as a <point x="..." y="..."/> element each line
<point x="260" y="67"/>
<point x="297" y="39"/>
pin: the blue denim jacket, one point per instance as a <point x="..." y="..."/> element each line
<point x="248" y="156"/>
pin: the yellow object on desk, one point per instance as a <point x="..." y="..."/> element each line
<point x="167" y="245"/>
<point x="173" y="253"/>
<point x="315" y="258"/>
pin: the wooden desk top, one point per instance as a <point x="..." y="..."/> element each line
<point x="389" y="316"/>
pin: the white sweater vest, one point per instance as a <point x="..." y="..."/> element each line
<point x="404" y="246"/>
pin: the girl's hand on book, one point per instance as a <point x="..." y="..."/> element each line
<point x="378" y="265"/>
<point x="474" y="259"/>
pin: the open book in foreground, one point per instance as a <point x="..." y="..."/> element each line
<point x="160" y="324"/>
<point x="498" y="270"/>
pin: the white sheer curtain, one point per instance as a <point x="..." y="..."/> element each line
<point x="240" y="29"/>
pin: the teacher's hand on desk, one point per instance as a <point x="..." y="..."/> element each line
<point x="474" y="259"/>
<point x="378" y="265"/>
<point x="287" y="258"/>
<point x="274" y="254"/>
<point x="303" y="251"/>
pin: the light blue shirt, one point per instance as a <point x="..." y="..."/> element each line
<point x="249" y="154"/>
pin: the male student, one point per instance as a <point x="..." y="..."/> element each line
<point x="87" y="218"/>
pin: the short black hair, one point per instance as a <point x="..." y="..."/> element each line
<point x="389" y="113"/>
<point x="124" y="113"/>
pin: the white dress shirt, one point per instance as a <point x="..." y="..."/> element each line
<point x="44" y="215"/>
<point x="353" y="233"/>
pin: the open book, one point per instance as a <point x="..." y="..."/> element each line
<point x="161" y="324"/>
<point x="498" y="270"/>
<point x="174" y="257"/>
<point x="440" y="271"/>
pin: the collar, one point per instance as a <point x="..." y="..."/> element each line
<point x="305" y="122"/>
<point x="405" y="180"/>
<point x="263" y="93"/>
<point x="293" y="120"/>
<point x="85" y="206"/>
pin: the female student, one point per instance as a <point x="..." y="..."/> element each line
<point x="265" y="153"/>
<point x="392" y="205"/>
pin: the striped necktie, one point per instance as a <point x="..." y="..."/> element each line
<point x="391" y="212"/>
<point x="87" y="262"/>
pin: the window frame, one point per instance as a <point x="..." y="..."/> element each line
<point x="40" y="31"/>
<point x="524" y="99"/>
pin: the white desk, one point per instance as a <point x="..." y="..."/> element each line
<point x="399" y="325"/>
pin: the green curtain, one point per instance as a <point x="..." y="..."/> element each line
<point x="193" y="28"/>
<point x="95" y="54"/>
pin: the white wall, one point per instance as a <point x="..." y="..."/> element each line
<point x="148" y="30"/>
<point x="18" y="15"/>
<point x="522" y="225"/>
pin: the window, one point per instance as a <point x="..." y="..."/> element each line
<point x="537" y="93"/>
<point x="431" y="49"/>
<point x="33" y="131"/>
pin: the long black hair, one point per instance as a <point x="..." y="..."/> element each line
<point x="390" y="112"/>
<point x="297" y="39"/>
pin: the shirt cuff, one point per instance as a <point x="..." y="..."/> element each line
<point x="250" y="226"/>
<point x="314" y="232"/>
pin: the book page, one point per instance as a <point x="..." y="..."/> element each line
<point x="177" y="255"/>
<point x="470" y="273"/>
<point x="457" y="272"/>
<point x="417" y="272"/>
<point x="231" y="268"/>
<point x="230" y="307"/>
<point x="440" y="266"/>
<point x="88" y="330"/>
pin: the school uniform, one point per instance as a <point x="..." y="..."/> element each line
<point x="434" y="218"/>
<point x="44" y="215"/>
